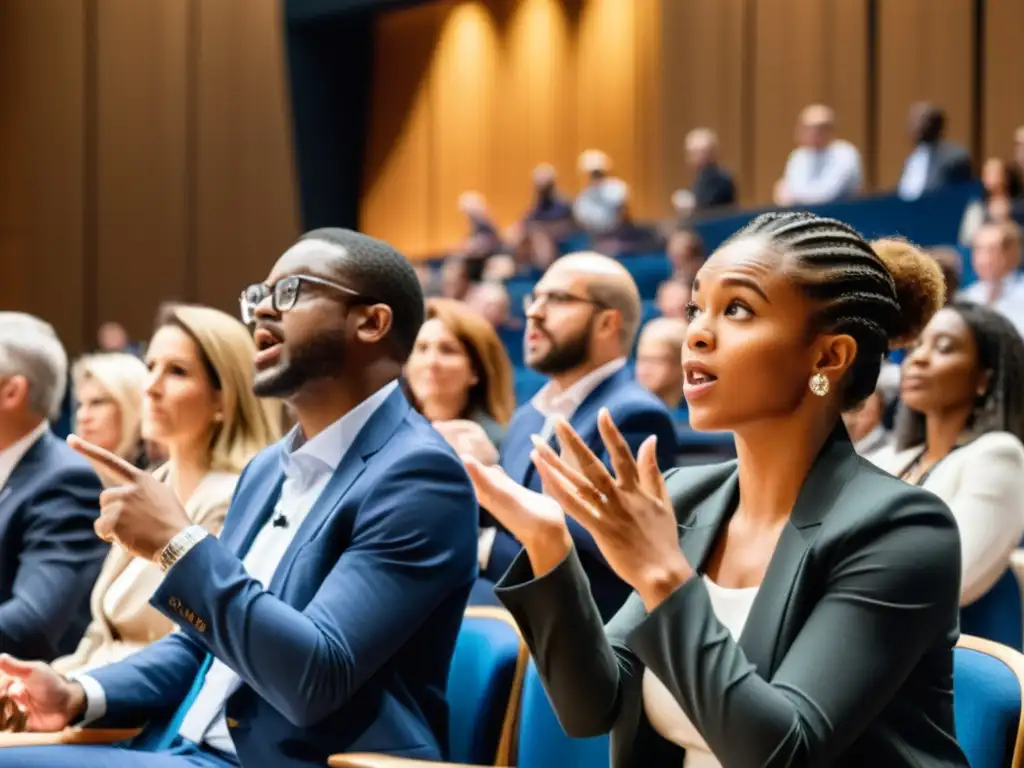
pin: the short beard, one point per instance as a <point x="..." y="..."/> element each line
<point x="322" y="357"/>
<point x="568" y="355"/>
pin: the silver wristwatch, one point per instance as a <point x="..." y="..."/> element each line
<point x="180" y="545"/>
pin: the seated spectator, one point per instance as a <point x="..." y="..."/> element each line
<point x="459" y="372"/>
<point x="628" y="237"/>
<point x="673" y="299"/>
<point x="686" y="254"/>
<point x="490" y="300"/>
<point x="659" y="362"/>
<point x="952" y="265"/>
<point x="959" y="432"/>
<point x="455" y="278"/>
<point x="483" y="239"/>
<point x="199" y="405"/>
<point x="1001" y="186"/>
<point x="600" y="204"/>
<point x="934" y="162"/>
<point x="582" y="320"/>
<point x="822" y="169"/>
<point x="550" y="208"/>
<point x="108" y="390"/>
<point x="112" y="337"/>
<point x="996" y="260"/>
<point x="49" y="500"/>
<point x="713" y="186"/>
<point x="498" y="269"/>
<point x="865" y="424"/>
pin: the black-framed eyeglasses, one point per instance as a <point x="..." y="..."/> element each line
<point x="284" y="293"/>
<point x="557" y="299"/>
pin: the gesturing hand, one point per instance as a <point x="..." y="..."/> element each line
<point x="48" y="701"/>
<point x="136" y="510"/>
<point x="629" y="515"/>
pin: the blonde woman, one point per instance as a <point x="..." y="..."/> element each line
<point x="198" y="405"/>
<point x="108" y="391"/>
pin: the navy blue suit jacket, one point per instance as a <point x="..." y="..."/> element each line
<point x="638" y="415"/>
<point x="349" y="648"/>
<point x="50" y="555"/>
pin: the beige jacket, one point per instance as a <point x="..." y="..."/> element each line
<point x="123" y="621"/>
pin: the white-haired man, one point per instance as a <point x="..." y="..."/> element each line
<point x="49" y="499"/>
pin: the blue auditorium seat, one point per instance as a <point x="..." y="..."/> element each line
<point x="649" y="270"/>
<point x="577" y="241"/>
<point x="489" y="659"/>
<point x="987" y="680"/>
<point x="528" y="383"/>
<point x="997" y="615"/>
<point x="512" y="340"/>
<point x="518" y="288"/>
<point x="543" y="743"/>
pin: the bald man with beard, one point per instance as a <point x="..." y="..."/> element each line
<point x="582" y="320"/>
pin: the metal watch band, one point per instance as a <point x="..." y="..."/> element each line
<point x="180" y="545"/>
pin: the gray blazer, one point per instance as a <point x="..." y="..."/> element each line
<point x="846" y="658"/>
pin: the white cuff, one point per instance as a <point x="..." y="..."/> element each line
<point x="95" y="698"/>
<point x="484" y="546"/>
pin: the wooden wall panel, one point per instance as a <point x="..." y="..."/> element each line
<point x="804" y="52"/>
<point x="245" y="204"/>
<point x="703" y="83"/>
<point x="142" y="185"/>
<point x="42" y="161"/>
<point x="1004" y="77"/>
<point x="925" y="52"/>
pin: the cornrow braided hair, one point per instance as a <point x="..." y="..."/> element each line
<point x="1001" y="351"/>
<point x="839" y="270"/>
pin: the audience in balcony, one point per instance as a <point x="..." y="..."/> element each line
<point x="198" y="404"/>
<point x="959" y="431"/>
<point x="823" y="168"/>
<point x="713" y="186"/>
<point x="659" y="366"/>
<point x="1001" y="190"/>
<point x="933" y="162"/>
<point x="600" y="204"/>
<point x="108" y="392"/>
<point x="996" y="258"/>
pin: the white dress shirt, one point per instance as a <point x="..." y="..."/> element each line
<point x="823" y="175"/>
<point x="1009" y="298"/>
<point x="308" y="466"/>
<point x="554" y="403"/>
<point x="731" y="607"/>
<point x="915" y="172"/>
<point x="14" y="453"/>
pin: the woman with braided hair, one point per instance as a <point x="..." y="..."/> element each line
<point x="958" y="434"/>
<point x="795" y="607"/>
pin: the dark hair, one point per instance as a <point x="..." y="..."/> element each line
<point x="875" y="298"/>
<point x="379" y="271"/>
<point x="1001" y="351"/>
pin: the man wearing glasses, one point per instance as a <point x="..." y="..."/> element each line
<point x="324" y="618"/>
<point x="581" y="323"/>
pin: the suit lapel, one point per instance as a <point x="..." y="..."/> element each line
<point x="371" y="438"/>
<point x="517" y="446"/>
<point x="830" y="472"/>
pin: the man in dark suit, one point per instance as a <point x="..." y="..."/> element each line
<point x="49" y="499"/>
<point x="933" y="163"/>
<point x="324" y="618"/>
<point x="582" y="320"/>
<point x="713" y="186"/>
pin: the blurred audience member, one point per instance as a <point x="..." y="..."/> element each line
<point x="934" y="162"/>
<point x="952" y="265"/>
<point x="582" y="321"/>
<point x="550" y="207"/>
<point x="498" y="269"/>
<point x="659" y="361"/>
<point x="483" y="239"/>
<point x="491" y="301"/>
<point x="455" y="278"/>
<point x="108" y="390"/>
<point x="459" y="372"/>
<point x="713" y="186"/>
<point x="865" y="424"/>
<point x="600" y="205"/>
<point x="822" y="168"/>
<point x="686" y="255"/>
<point x="996" y="260"/>
<point x="49" y="500"/>
<point x="673" y="299"/>
<point x="200" y="405"/>
<point x="959" y="431"/>
<point x="1001" y="186"/>
<point x="112" y="337"/>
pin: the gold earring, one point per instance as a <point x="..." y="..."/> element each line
<point x="819" y="384"/>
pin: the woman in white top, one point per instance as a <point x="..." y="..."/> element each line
<point x="959" y="432"/>
<point x="198" y="404"/>
<point x="796" y="607"/>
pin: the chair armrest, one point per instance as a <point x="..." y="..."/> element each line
<point x="370" y="760"/>
<point x="68" y="736"/>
